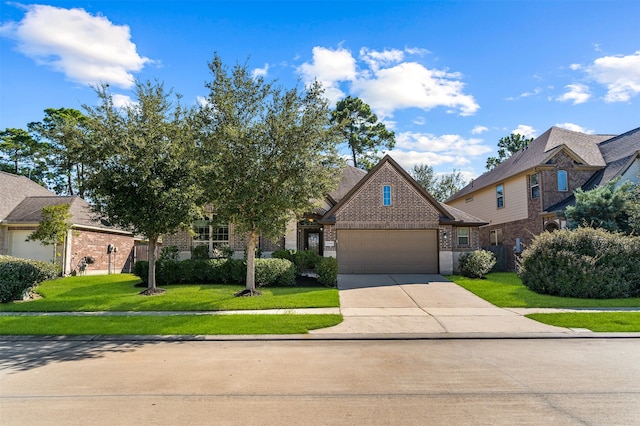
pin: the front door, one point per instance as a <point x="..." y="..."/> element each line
<point x="312" y="241"/>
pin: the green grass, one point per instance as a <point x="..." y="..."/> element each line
<point x="166" y="325"/>
<point x="119" y="293"/>
<point x="598" y="322"/>
<point x="505" y="289"/>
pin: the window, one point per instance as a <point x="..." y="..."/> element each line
<point x="500" y="196"/>
<point x="463" y="236"/>
<point x="210" y="233"/>
<point x="535" y="187"/>
<point x="496" y="237"/>
<point x="562" y="181"/>
<point x="386" y="195"/>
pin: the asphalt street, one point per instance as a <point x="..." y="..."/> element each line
<point x="67" y="381"/>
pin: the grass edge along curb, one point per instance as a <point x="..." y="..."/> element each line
<point x="237" y="324"/>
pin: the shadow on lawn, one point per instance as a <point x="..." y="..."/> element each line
<point x="23" y="355"/>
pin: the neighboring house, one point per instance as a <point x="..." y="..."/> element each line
<point x="524" y="195"/>
<point x="21" y="206"/>
<point x="376" y="222"/>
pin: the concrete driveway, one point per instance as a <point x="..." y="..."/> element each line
<point x="421" y="304"/>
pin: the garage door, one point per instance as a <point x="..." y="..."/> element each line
<point x="19" y="247"/>
<point x="387" y="251"/>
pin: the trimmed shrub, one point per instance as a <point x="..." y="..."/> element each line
<point x="169" y="253"/>
<point x="217" y="271"/>
<point x="476" y="264"/>
<point x="200" y="252"/>
<point x="303" y="260"/>
<point x="583" y="263"/>
<point x="328" y="271"/>
<point x="19" y="276"/>
<point x="280" y="272"/>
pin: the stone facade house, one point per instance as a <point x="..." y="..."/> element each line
<point x="526" y="194"/>
<point x="376" y="222"/>
<point x="21" y="206"/>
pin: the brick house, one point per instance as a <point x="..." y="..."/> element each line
<point x="525" y="195"/>
<point x="376" y="222"/>
<point x="21" y="212"/>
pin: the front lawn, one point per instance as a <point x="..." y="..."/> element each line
<point x="598" y="322"/>
<point x="119" y="292"/>
<point x="505" y="289"/>
<point x="166" y="325"/>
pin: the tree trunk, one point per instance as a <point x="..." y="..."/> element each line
<point x="151" y="279"/>
<point x="250" y="288"/>
<point x="353" y="155"/>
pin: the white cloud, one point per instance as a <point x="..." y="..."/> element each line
<point x="454" y="145"/>
<point x="620" y="74"/>
<point x="479" y="129"/>
<point x="388" y="84"/>
<point x="407" y="159"/>
<point x="419" y="121"/>
<point x="121" y="101"/>
<point x="525" y="94"/>
<point x="260" y="72"/>
<point x="578" y="93"/>
<point x="526" y="131"/>
<point x="574" y="127"/>
<point x="330" y="67"/>
<point x="87" y="49"/>
<point x="575" y="67"/>
<point x="411" y="85"/>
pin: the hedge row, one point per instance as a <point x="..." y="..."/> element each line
<point x="218" y="271"/>
<point x="583" y="263"/>
<point x="19" y="276"/>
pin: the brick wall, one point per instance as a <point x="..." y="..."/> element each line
<point x="549" y="179"/>
<point x="94" y="244"/>
<point x="408" y="209"/>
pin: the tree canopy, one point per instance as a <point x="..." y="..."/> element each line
<point x="608" y="207"/>
<point x="441" y="187"/>
<point x="64" y="134"/>
<point x="362" y="131"/>
<point x="507" y="146"/>
<point x="269" y="153"/>
<point x="147" y="179"/>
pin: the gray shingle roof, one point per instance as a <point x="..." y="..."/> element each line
<point x="539" y="150"/>
<point x="618" y="152"/>
<point x="14" y="189"/>
<point x="30" y="211"/>
<point x="350" y="177"/>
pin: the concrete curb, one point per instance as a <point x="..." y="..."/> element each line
<point x="320" y="337"/>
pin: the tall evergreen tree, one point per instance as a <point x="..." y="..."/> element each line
<point x="507" y="146"/>
<point x="362" y="131"/>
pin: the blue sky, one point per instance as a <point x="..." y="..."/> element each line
<point x="450" y="78"/>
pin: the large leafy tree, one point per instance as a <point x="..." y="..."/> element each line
<point x="70" y="152"/>
<point x="507" y="146"/>
<point x="441" y="187"/>
<point x="362" y="131"/>
<point x="53" y="227"/>
<point x="269" y="152"/>
<point x="147" y="179"/>
<point x="605" y="207"/>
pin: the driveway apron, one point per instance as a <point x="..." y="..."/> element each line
<point x="421" y="304"/>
